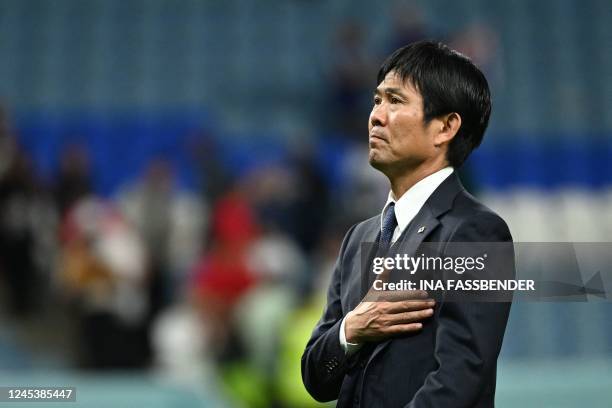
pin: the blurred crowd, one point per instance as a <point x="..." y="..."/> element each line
<point x="207" y="284"/>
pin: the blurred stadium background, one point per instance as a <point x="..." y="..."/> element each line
<point x="176" y="176"/>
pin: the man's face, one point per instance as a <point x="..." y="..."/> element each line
<point x="399" y="138"/>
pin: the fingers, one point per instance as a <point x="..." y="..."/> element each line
<point x="394" y="296"/>
<point x="404" y="328"/>
<point x="399" y="295"/>
<point x="410" y="317"/>
<point x="407" y="305"/>
<point x="376" y="320"/>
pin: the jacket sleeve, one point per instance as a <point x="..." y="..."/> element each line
<point x="324" y="362"/>
<point x="469" y="334"/>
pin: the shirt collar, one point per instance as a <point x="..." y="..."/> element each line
<point x="410" y="203"/>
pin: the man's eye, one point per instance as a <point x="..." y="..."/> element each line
<point x="377" y="100"/>
<point x="393" y="99"/>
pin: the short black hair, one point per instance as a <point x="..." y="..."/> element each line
<point x="448" y="82"/>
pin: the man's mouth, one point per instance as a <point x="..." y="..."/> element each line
<point x="374" y="138"/>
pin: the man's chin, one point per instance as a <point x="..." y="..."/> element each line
<point x="376" y="162"/>
<point x="386" y="167"/>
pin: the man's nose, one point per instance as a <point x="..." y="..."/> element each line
<point x="378" y="116"/>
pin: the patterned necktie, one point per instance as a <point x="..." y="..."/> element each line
<point x="388" y="225"/>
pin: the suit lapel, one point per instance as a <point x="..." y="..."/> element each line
<point x="423" y="224"/>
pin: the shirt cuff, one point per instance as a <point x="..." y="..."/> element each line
<point x="349" y="348"/>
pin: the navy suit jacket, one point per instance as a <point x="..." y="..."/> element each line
<point x="451" y="362"/>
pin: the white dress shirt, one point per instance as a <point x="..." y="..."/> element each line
<point x="406" y="208"/>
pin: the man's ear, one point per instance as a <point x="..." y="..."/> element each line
<point x="448" y="126"/>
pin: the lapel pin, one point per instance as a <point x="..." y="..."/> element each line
<point x="421" y="230"/>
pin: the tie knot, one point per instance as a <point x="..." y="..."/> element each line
<point x="388" y="225"/>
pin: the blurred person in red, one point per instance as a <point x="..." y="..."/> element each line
<point x="222" y="275"/>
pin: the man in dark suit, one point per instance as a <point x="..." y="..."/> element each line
<point x="431" y="109"/>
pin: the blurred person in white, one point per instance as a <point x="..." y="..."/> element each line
<point x="182" y="348"/>
<point x="103" y="274"/>
<point x="171" y="223"/>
